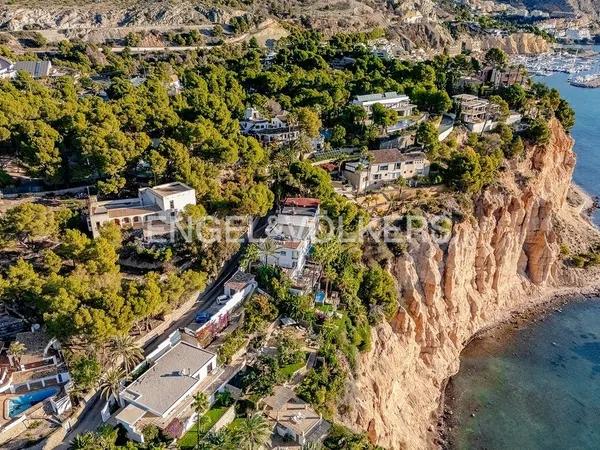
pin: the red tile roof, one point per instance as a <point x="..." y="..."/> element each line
<point x="303" y="202"/>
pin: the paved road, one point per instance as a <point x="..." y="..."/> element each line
<point x="89" y="420"/>
<point x="204" y="302"/>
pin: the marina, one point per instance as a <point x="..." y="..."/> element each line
<point x="586" y="81"/>
<point x="581" y="65"/>
<point x="561" y="62"/>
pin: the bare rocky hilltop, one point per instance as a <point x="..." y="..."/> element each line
<point x="504" y="258"/>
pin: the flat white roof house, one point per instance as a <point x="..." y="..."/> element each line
<point x="385" y="166"/>
<point x="159" y="395"/>
<point x="392" y="100"/>
<point x="153" y="209"/>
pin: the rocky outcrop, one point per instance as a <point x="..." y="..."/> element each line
<point x="104" y="15"/>
<point x="517" y="44"/>
<point x="500" y="259"/>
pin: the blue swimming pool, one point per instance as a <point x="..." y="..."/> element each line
<point x="17" y="405"/>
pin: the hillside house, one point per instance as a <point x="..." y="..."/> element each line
<point x="164" y="391"/>
<point x="476" y="113"/>
<point x="291" y="235"/>
<point x="269" y="131"/>
<point x="502" y="77"/>
<point x="37" y="68"/>
<point x="385" y="166"/>
<point x="41" y="364"/>
<point x="293" y="419"/>
<point x="154" y="210"/>
<point x="392" y="100"/>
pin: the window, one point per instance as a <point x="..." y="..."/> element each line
<point x="172" y="204"/>
<point x="383" y="168"/>
<point x="398" y="165"/>
<point x="377" y="176"/>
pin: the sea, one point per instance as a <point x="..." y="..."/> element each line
<point x="539" y="387"/>
<point x="586" y="103"/>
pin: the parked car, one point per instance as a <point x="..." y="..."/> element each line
<point x="222" y="299"/>
<point x="202" y="317"/>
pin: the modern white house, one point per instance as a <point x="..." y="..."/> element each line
<point x="392" y="100"/>
<point x="164" y="391"/>
<point x="480" y="115"/>
<point x="155" y="208"/>
<point x="385" y="166"/>
<point x="269" y="131"/>
<point x="289" y="237"/>
<point x="476" y="113"/>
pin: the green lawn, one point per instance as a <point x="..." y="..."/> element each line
<point x="189" y="439"/>
<point x="288" y="370"/>
<point x="326" y="307"/>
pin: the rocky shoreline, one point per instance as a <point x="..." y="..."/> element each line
<point x="503" y="331"/>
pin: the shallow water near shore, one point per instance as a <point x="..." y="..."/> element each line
<point x="536" y="387"/>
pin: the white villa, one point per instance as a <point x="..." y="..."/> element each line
<point x="154" y="209"/>
<point x="392" y="100"/>
<point x="384" y="166"/>
<point x="291" y="234"/>
<point x="163" y="392"/>
<point x="274" y="130"/>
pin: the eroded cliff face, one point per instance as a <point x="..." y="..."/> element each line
<point x="505" y="256"/>
<point x="517" y="44"/>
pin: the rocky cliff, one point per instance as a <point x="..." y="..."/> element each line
<point x="498" y="260"/>
<point x="517" y="44"/>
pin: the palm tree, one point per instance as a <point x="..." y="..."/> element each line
<point x="269" y="249"/>
<point x="199" y="405"/>
<point x="124" y="347"/>
<point x="251" y="254"/>
<point x="219" y="440"/>
<point x="16" y="350"/>
<point x="253" y="433"/>
<point x="111" y="383"/>
<point x="329" y="273"/>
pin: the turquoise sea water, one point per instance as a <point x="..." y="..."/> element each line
<point x="586" y="103"/>
<point x="541" y="388"/>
